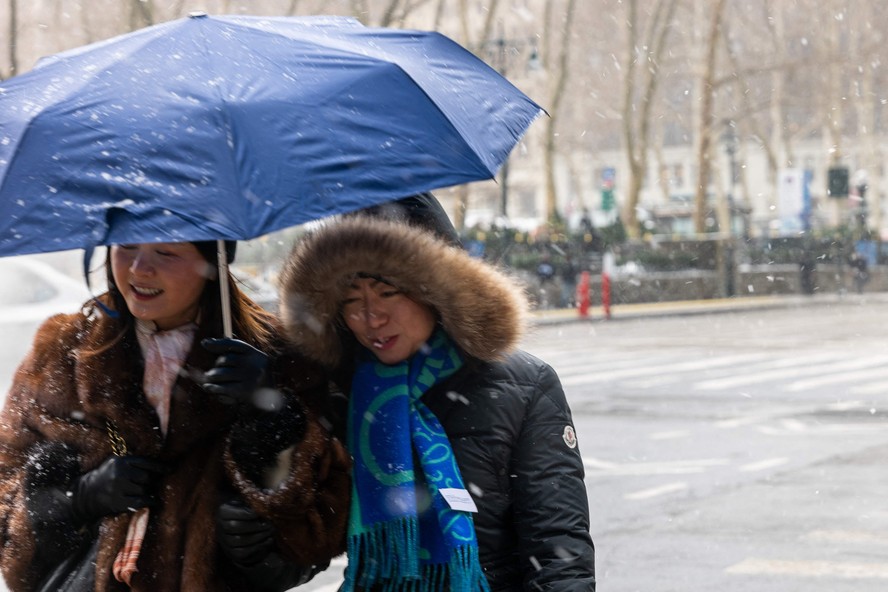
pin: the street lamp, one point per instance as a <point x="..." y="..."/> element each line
<point x="731" y="141"/>
<point x="861" y="184"/>
<point x="497" y="52"/>
<point x="729" y="137"/>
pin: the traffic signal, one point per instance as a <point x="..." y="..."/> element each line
<point x="607" y="199"/>
<point x="837" y="182"/>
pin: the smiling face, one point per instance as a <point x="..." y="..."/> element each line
<point x="386" y="321"/>
<point x="160" y="282"/>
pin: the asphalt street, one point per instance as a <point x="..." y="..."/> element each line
<point x="739" y="449"/>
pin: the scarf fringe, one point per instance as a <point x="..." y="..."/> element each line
<point x="463" y="573"/>
<point x="380" y="551"/>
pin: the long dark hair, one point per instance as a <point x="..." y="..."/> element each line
<point x="250" y="322"/>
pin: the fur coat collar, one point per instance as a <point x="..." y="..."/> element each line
<point x="481" y="308"/>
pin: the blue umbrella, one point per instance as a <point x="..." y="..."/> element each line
<point x="232" y="127"/>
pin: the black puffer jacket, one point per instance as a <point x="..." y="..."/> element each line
<point x="504" y="412"/>
<point x="506" y="422"/>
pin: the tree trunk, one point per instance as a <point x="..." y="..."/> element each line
<point x="555" y="100"/>
<point x="630" y="144"/>
<point x="13" y="37"/>
<point x="462" y="204"/>
<point x="637" y="117"/>
<point x="706" y="118"/>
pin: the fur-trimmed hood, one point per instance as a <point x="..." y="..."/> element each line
<point x="481" y="309"/>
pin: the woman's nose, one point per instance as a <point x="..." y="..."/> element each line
<point x="141" y="264"/>
<point x="375" y="316"/>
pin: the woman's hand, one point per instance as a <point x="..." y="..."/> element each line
<point x="120" y="484"/>
<point x="240" y="370"/>
<point x="248" y="541"/>
<point x="244" y="536"/>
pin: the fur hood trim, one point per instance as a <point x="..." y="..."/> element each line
<point x="481" y="308"/>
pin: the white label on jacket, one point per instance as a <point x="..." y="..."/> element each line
<point x="459" y="499"/>
<point x="570" y="437"/>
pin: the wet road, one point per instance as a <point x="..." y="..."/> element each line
<point x="736" y="451"/>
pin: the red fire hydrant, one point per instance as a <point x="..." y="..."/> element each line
<point x="606" y="294"/>
<point x="583" y="298"/>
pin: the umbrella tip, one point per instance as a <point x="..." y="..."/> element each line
<point x="197" y="14"/>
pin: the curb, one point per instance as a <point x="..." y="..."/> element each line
<point x="697" y="307"/>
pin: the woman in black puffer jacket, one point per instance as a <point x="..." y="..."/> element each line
<point x="368" y="295"/>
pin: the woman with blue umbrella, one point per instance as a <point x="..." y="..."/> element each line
<point x="139" y="451"/>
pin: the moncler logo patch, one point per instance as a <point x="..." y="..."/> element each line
<point x="570" y="437"/>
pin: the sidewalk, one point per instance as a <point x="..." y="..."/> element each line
<point x="691" y="307"/>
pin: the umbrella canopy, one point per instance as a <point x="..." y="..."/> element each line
<point x="232" y="127"/>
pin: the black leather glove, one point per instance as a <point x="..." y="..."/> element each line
<point x="244" y="536"/>
<point x="248" y="540"/>
<point x="240" y="370"/>
<point x="120" y="484"/>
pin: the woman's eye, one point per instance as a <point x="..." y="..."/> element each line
<point x="390" y="293"/>
<point x="350" y="305"/>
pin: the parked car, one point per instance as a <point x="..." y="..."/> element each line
<point x="31" y="291"/>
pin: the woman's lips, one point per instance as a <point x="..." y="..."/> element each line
<point x="145" y="293"/>
<point x="384" y="343"/>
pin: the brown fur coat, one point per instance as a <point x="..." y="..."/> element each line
<point x="53" y="428"/>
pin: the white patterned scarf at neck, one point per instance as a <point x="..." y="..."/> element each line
<point x="164" y="353"/>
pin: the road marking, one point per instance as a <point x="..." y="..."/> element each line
<point x="586" y="362"/>
<point x="794" y="425"/>
<point x="863" y="537"/>
<point x="709" y="365"/>
<point x="818" y="381"/>
<point x="761" y="465"/>
<point x="814" y="569"/>
<point x="847" y="405"/>
<point x="656" y="491"/>
<point x="743" y="420"/>
<point x="790" y="368"/>
<point x="675" y="467"/>
<point x="821" y="429"/>
<point x="875" y="388"/>
<point x="643" y="369"/>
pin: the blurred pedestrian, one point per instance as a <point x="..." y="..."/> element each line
<point x="807" y="270"/>
<point x="467" y="473"/>
<point x="861" y="271"/>
<point x="130" y="427"/>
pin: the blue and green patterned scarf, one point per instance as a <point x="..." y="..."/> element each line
<point x="392" y="543"/>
